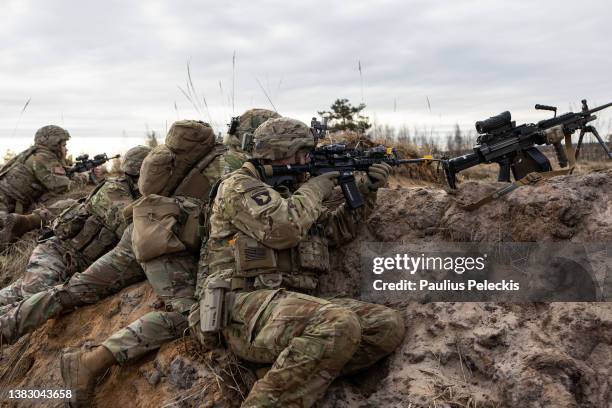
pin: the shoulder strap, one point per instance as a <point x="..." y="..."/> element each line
<point x="95" y="190"/>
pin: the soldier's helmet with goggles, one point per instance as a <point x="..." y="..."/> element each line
<point x="281" y="138"/>
<point x="242" y="135"/>
<point x="51" y="136"/>
<point x="132" y="160"/>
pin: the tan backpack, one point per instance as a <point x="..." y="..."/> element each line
<point x="164" y="225"/>
<point x="187" y="142"/>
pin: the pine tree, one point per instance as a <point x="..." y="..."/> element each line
<point x="344" y="116"/>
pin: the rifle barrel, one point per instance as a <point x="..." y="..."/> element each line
<point x="600" y="107"/>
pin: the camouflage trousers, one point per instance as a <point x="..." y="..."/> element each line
<point x="311" y="341"/>
<point x="51" y="263"/>
<point x="172" y="277"/>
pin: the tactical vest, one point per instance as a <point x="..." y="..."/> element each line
<point x="252" y="265"/>
<point x="18" y="182"/>
<point x="86" y="229"/>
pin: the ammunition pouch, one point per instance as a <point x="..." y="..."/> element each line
<point x="94" y="239"/>
<point x="261" y="267"/>
<point x="313" y="254"/>
<point x="70" y="221"/>
<point x="164" y="225"/>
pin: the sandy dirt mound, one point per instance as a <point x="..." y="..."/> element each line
<point x="454" y="354"/>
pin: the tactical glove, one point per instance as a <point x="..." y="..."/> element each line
<point x="378" y="174"/>
<point x="323" y="184"/>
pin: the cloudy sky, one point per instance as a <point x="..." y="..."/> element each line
<point x="109" y="70"/>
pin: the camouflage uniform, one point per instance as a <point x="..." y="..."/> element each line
<point x="269" y="241"/>
<point x="56" y="259"/>
<point x="35" y="171"/>
<point x="172" y="276"/>
<point x="82" y="233"/>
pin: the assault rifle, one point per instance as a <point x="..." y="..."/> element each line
<point x="84" y="163"/>
<point x="513" y="147"/>
<point x="337" y="157"/>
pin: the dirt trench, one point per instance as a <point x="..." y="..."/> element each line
<point x="454" y="354"/>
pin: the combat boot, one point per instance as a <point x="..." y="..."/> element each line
<point x="26" y="223"/>
<point x="15" y="225"/>
<point x="81" y="371"/>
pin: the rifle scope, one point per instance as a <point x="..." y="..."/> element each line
<point x="494" y="122"/>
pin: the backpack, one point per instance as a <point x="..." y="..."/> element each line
<point x="187" y="142"/>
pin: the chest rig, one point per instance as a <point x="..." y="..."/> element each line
<point x="251" y="265"/>
<point x="81" y="229"/>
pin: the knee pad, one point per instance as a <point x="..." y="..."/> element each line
<point x="393" y="328"/>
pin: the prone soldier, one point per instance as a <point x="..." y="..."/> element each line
<point x="81" y="233"/>
<point x="172" y="276"/>
<point x="24" y="179"/>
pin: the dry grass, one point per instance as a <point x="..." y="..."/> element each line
<point x="14" y="258"/>
<point x="421" y="172"/>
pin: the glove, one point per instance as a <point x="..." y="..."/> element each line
<point x="80" y="179"/>
<point x="323" y="184"/>
<point x="378" y="174"/>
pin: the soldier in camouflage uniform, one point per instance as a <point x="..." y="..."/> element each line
<point x="24" y="179"/>
<point x="172" y="276"/>
<point x="82" y="233"/>
<point x="272" y="245"/>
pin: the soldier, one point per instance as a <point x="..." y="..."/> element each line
<point x="272" y="245"/>
<point x="81" y="233"/>
<point x="24" y="179"/>
<point x="172" y="276"/>
<point x="239" y="138"/>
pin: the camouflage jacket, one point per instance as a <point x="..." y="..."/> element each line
<point x="32" y="173"/>
<point x="266" y="237"/>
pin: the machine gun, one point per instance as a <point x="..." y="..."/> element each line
<point x="337" y="157"/>
<point x="84" y="163"/>
<point x="513" y="147"/>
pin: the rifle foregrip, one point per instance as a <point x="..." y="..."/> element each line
<point x="561" y="156"/>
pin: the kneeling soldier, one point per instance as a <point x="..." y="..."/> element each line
<point x="267" y="247"/>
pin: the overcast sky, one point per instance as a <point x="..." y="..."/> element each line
<point x="108" y="70"/>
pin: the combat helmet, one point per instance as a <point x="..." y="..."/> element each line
<point x="281" y="138"/>
<point x="132" y="160"/>
<point x="51" y="136"/>
<point x="247" y="123"/>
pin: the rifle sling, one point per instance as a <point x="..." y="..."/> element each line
<point x="531" y="178"/>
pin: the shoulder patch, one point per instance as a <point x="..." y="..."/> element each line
<point x="59" y="170"/>
<point x="261" y="197"/>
